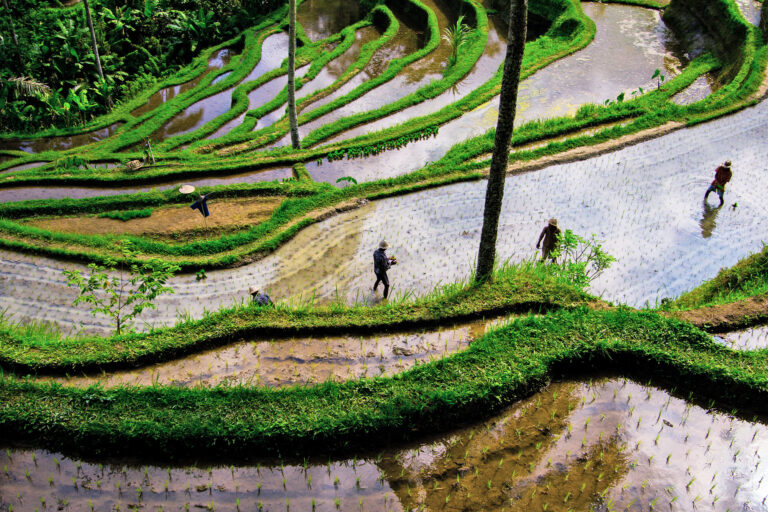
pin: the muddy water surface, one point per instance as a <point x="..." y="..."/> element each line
<point x="323" y="18"/>
<point x="301" y="360"/>
<point x="644" y="201"/>
<point x="750" y="9"/>
<point x="338" y="66"/>
<point x="592" y="75"/>
<point x="28" y="165"/>
<point x="483" y="70"/>
<point x="405" y="42"/>
<point x="49" y="192"/>
<point x="698" y="90"/>
<point x="411" y="78"/>
<point x="193" y="117"/>
<point x="604" y="445"/>
<point x="218" y="60"/>
<point x="59" y="143"/>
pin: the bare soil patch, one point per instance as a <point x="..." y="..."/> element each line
<point x="727" y="317"/>
<point x="169" y="221"/>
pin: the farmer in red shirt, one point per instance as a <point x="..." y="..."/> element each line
<point x="723" y="175"/>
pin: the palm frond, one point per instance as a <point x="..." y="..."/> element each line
<point x="29" y="86"/>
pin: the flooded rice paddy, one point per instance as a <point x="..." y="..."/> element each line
<point x="609" y="444"/>
<point x="750" y="9"/>
<point x="592" y="75"/>
<point x="59" y="192"/>
<point x="405" y="42"/>
<point x="218" y="60"/>
<point x="43" y="144"/>
<point x="754" y="338"/>
<point x="273" y="50"/>
<point x="305" y="361"/>
<point x="323" y="18"/>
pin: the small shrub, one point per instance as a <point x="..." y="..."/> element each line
<point x="581" y="260"/>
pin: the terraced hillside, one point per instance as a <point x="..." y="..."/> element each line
<point x="625" y="109"/>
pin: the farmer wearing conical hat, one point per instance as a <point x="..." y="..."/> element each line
<point x="549" y="234"/>
<point x="259" y="299"/>
<point x="723" y="175"/>
<point x="382" y="263"/>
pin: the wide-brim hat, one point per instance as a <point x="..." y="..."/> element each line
<point x="383" y="244"/>
<point x="553" y="221"/>
<point x="253" y="289"/>
<point x="187" y="189"/>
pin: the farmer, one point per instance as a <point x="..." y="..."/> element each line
<point x="201" y="204"/>
<point x="382" y="263"/>
<point x="259" y="299"/>
<point x="723" y="175"/>
<point x="549" y="234"/>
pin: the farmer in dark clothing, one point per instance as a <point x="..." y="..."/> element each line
<point x="259" y="299"/>
<point x="723" y="175"/>
<point x="381" y="264"/>
<point x="549" y="234"/>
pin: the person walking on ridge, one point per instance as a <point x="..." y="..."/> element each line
<point x="723" y="175"/>
<point x="549" y="234"/>
<point x="382" y="263"/>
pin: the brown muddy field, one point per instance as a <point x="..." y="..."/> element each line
<point x="609" y="444"/>
<point x="171" y="220"/>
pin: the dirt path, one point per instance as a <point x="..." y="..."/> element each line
<point x="727" y="317"/>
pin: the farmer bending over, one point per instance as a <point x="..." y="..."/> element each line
<point x="259" y="299"/>
<point x="723" y="175"/>
<point x="549" y="234"/>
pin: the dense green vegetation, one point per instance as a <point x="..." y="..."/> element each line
<point x="140" y="41"/>
<point x="127" y="215"/>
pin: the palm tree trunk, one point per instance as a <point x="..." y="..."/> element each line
<point x="764" y="20"/>
<point x="295" y="142"/>
<point x="13" y="35"/>
<point x="518" y="19"/>
<point x="93" y="38"/>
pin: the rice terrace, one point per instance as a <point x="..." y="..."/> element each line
<point x="383" y="255"/>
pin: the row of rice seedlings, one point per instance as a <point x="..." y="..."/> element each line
<point x="297" y="361"/>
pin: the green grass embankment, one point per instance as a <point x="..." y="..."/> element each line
<point x="503" y="366"/>
<point x="748" y="278"/>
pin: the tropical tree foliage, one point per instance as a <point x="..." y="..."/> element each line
<point x="139" y="41"/>
<point x="121" y="292"/>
